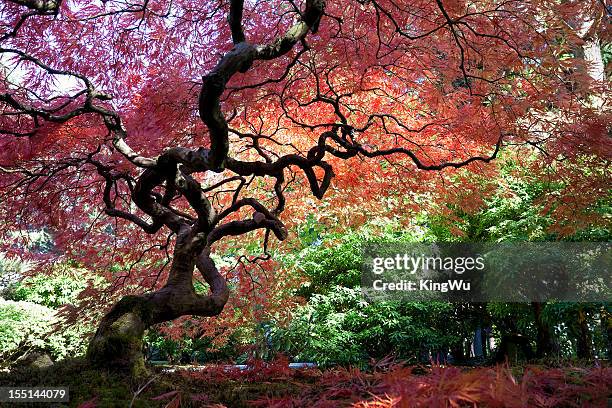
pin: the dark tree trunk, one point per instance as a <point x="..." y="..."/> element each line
<point x="118" y="340"/>
<point x="477" y="342"/>
<point x="513" y="348"/>
<point x="485" y="342"/>
<point x="117" y="343"/>
<point x="606" y="328"/>
<point x="545" y="345"/>
<point x="458" y="352"/>
<point x="584" y="349"/>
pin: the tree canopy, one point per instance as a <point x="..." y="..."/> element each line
<point x="145" y="134"/>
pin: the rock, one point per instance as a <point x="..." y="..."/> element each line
<point x="37" y="360"/>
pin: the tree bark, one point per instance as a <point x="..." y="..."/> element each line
<point x="606" y="328"/>
<point x="590" y="51"/>
<point x="458" y="352"/>
<point x="584" y="345"/>
<point x="544" y="342"/>
<point x="117" y="343"/>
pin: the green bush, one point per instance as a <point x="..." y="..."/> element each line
<point x="187" y="349"/>
<point x="27" y="326"/>
<point x="51" y="291"/>
<point x="335" y="259"/>
<point x="11" y="271"/>
<point x="340" y="327"/>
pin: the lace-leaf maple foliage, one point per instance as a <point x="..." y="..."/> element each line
<point x="147" y="134"/>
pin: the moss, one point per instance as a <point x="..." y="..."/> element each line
<point x="113" y="347"/>
<point x="84" y="382"/>
<point x="118" y="342"/>
<point x="112" y="388"/>
<point x="136" y="304"/>
<point x="119" y="352"/>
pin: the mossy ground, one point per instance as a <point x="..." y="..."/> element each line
<point x="275" y="385"/>
<point x="114" y="389"/>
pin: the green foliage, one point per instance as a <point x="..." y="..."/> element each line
<point x="188" y="349"/>
<point x="512" y="214"/>
<point x="517" y="212"/>
<point x="566" y="317"/>
<point x="10" y="265"/>
<point x="337" y="326"/>
<point x="512" y="317"/>
<point x="28" y="321"/>
<point x="606" y="53"/>
<point x="335" y="260"/>
<point x="52" y="291"/>
<point x="27" y="326"/>
<point x="11" y="271"/>
<point x="340" y="327"/>
<point x="39" y="241"/>
<point x="310" y="231"/>
<point x="330" y="265"/>
<point x="320" y="331"/>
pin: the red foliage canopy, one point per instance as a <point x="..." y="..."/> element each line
<point x="195" y="121"/>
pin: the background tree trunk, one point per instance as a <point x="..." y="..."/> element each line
<point x="606" y="328"/>
<point x="544" y="343"/>
<point x="584" y="349"/>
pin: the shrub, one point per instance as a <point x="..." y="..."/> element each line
<point x="340" y="327"/>
<point x="11" y="271"/>
<point x="51" y="291"/>
<point x="187" y="349"/>
<point x="27" y="326"/>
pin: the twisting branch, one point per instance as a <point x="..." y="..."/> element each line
<point x="240" y="59"/>
<point x="235" y="20"/>
<point x="111" y="179"/>
<point x="115" y="126"/>
<point x="219" y="292"/>
<point x="176" y="173"/>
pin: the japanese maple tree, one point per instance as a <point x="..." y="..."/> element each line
<point x="183" y="123"/>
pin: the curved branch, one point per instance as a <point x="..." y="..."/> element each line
<point x="309" y="21"/>
<point x="431" y="167"/>
<point x="234" y="228"/>
<point x="219" y="292"/>
<point x="240" y="59"/>
<point x="235" y="20"/>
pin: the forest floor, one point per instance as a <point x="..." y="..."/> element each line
<point x="276" y="385"/>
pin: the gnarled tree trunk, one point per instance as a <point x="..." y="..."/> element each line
<point x="117" y="343"/>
